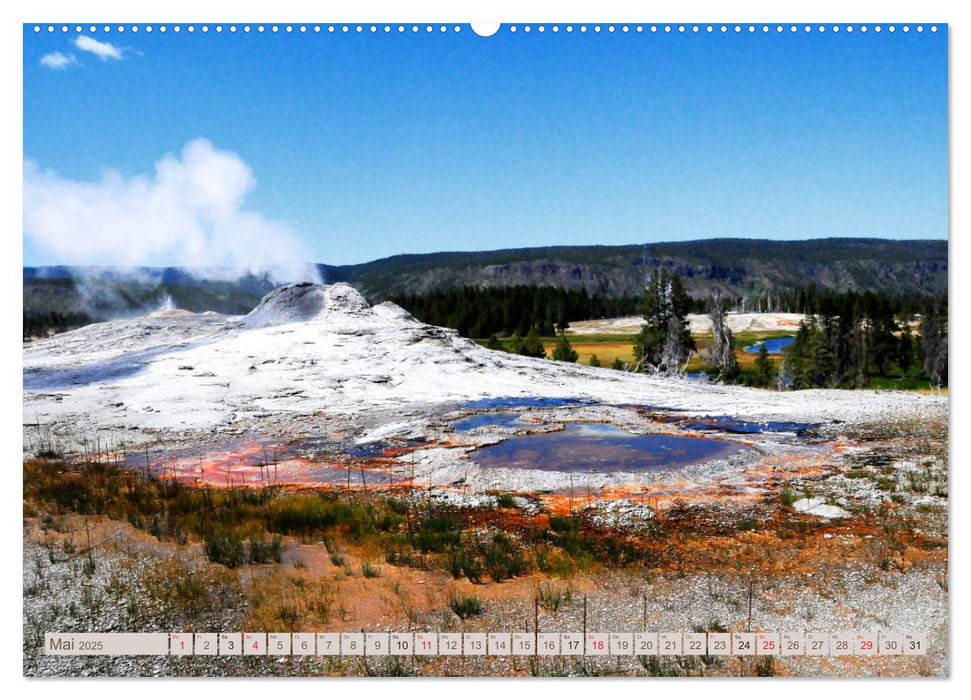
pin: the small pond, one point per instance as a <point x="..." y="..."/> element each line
<point x="602" y="448"/>
<point x="773" y="345"/>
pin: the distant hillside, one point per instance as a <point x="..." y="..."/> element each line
<point x="57" y="298"/>
<point x="743" y="267"/>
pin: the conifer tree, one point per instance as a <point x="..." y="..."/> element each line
<point x="797" y="366"/>
<point x="933" y="338"/>
<point x="822" y="369"/>
<point x="516" y="345"/>
<point x="905" y="349"/>
<point x="664" y="340"/>
<point x="763" y="367"/>
<point x="882" y="342"/>
<point x="532" y="346"/>
<point x="564" y="352"/>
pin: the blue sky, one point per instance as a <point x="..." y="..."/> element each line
<point x="368" y="145"/>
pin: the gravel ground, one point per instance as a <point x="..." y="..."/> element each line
<point x="64" y="592"/>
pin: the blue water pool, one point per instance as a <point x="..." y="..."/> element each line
<point x="774" y="345"/>
<point x="602" y="448"/>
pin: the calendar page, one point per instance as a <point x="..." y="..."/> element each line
<point x="514" y="349"/>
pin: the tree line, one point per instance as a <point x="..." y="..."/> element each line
<point x="811" y="299"/>
<point x="846" y="349"/>
<point x="504" y="311"/>
<point x="39" y="324"/>
<point x="845" y="339"/>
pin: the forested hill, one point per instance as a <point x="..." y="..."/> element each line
<point x="57" y="298"/>
<point x="742" y="267"/>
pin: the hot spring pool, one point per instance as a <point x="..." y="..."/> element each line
<point x="602" y="448"/>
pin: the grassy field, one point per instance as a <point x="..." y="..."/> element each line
<point x="606" y="347"/>
<point x="610" y="346"/>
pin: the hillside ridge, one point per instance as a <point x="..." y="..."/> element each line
<point x="66" y="296"/>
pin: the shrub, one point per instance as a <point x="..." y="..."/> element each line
<point x="289" y="615"/>
<point x="400" y="557"/>
<point x="551" y="598"/>
<point x="335" y="555"/>
<point x="464" y="563"/>
<point x="918" y="483"/>
<point x="885" y="484"/>
<point x="505" y="500"/>
<point x="503" y="559"/>
<point x="559" y="564"/>
<point x="563" y="523"/>
<point x="263" y="551"/>
<point x="465" y="606"/>
<point x="437" y="534"/>
<point x="657" y="668"/>
<point x="765" y="667"/>
<point x="227" y="550"/>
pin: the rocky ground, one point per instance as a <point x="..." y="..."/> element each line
<point x="129" y="582"/>
<point x="839" y="513"/>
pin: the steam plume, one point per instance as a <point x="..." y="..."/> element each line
<point x="188" y="212"/>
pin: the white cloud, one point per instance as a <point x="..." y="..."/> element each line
<point x="187" y="212"/>
<point x="58" y="60"/>
<point x="101" y="49"/>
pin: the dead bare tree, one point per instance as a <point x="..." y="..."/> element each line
<point x="720" y="352"/>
